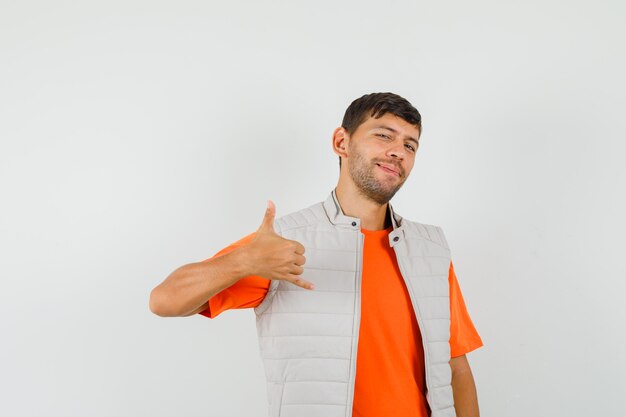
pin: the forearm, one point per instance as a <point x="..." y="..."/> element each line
<point x="464" y="389"/>
<point x="191" y="285"/>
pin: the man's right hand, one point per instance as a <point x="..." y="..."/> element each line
<point x="271" y="256"/>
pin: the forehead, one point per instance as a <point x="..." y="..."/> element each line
<point x="391" y="121"/>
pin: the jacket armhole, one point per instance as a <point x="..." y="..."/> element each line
<point x="444" y="241"/>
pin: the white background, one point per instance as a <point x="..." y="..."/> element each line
<point x="140" y="136"/>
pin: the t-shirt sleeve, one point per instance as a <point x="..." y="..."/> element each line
<point x="463" y="335"/>
<point x="248" y="292"/>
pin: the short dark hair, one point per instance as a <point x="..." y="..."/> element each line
<point x="377" y="105"/>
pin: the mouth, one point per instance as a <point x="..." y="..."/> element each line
<point x="389" y="170"/>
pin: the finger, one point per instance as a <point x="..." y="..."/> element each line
<point x="267" y="225"/>
<point x="299" y="260"/>
<point x="296" y="269"/>
<point x="302" y="283"/>
<point x="298" y="247"/>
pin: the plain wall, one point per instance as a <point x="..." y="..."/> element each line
<point x="140" y="136"/>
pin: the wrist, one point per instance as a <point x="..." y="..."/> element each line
<point x="242" y="263"/>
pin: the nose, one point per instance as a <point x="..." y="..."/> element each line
<point x="397" y="151"/>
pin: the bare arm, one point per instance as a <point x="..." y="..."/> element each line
<point x="186" y="290"/>
<point x="463" y="388"/>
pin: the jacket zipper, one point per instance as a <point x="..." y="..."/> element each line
<point x="357" y="324"/>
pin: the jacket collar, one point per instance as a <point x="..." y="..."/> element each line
<point x="336" y="216"/>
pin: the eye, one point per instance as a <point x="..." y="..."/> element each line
<point x="410" y="147"/>
<point x="382" y="136"/>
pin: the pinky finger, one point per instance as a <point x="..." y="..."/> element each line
<point x="304" y="284"/>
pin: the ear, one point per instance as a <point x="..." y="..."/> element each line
<point x="340" y="142"/>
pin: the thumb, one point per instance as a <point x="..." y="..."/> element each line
<point x="268" y="219"/>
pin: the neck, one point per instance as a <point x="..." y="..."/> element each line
<point x="373" y="216"/>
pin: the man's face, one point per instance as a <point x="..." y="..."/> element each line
<point x="381" y="153"/>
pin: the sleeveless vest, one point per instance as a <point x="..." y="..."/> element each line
<point x="308" y="338"/>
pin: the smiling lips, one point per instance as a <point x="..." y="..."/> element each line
<point x="390" y="169"/>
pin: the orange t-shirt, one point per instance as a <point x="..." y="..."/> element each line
<point x="390" y="377"/>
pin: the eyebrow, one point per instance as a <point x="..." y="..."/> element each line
<point x="395" y="131"/>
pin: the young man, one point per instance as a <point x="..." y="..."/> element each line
<point x="372" y="321"/>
